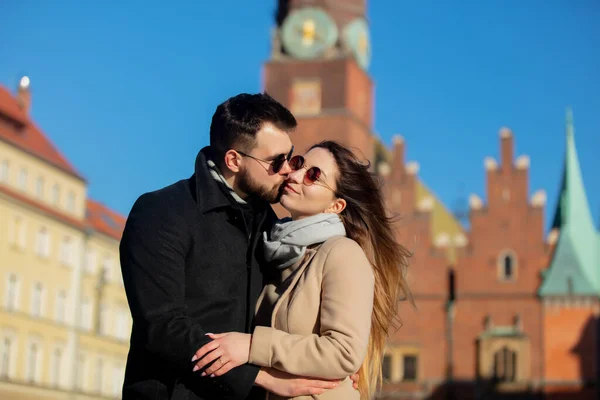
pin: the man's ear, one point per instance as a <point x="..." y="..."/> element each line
<point x="337" y="206"/>
<point x="232" y="161"/>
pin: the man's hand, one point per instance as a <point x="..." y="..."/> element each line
<point x="287" y="385"/>
<point x="227" y="350"/>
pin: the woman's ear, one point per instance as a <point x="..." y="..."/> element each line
<point x="337" y="206"/>
<point x="232" y="161"/>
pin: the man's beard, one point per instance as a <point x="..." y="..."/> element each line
<point x="253" y="189"/>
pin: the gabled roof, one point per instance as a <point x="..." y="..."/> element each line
<point x="575" y="265"/>
<point x="104" y="220"/>
<point x="25" y="135"/>
<point x="442" y="220"/>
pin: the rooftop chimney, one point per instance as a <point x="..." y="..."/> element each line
<point x="24" y="94"/>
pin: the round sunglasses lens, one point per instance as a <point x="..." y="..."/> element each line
<point x="313" y="174"/>
<point x="277" y="164"/>
<point x="296" y="162"/>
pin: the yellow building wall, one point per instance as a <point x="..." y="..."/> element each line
<point x="16" y="160"/>
<point x="53" y="346"/>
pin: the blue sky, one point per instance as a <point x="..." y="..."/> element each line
<point x="126" y="92"/>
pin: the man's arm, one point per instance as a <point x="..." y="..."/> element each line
<point x="152" y="253"/>
<point x="287" y="385"/>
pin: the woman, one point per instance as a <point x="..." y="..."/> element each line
<point x="339" y="274"/>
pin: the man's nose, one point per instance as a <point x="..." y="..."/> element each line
<point x="285" y="168"/>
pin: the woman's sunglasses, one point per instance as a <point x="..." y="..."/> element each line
<point x="312" y="174"/>
<point x="276" y="163"/>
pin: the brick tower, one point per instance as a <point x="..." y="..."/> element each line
<point x="318" y="69"/>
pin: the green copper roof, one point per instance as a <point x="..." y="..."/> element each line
<point x="575" y="266"/>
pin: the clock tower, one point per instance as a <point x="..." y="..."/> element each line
<point x="318" y="69"/>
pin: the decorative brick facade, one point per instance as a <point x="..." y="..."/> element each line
<point x="482" y="328"/>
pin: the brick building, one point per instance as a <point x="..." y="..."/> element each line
<point x="504" y="310"/>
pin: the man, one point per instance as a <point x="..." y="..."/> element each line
<point x="190" y="256"/>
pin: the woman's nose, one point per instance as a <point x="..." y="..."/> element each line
<point x="296" y="176"/>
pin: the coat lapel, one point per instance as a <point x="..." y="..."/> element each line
<point x="310" y="254"/>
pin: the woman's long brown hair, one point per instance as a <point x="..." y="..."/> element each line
<point x="367" y="222"/>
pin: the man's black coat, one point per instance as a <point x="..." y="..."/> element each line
<point x="191" y="265"/>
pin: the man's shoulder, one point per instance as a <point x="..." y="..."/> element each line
<point x="172" y="199"/>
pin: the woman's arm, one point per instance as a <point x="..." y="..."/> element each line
<point x="337" y="352"/>
<point x="346" y="308"/>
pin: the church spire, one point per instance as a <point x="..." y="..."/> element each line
<point x="573" y="205"/>
<point x="574" y="268"/>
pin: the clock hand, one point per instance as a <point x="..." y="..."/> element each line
<point x="316" y="36"/>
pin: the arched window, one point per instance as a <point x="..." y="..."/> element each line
<point x="505" y="365"/>
<point x="507" y="265"/>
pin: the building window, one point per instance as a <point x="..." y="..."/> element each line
<point x="106" y="269"/>
<point x="66" y="251"/>
<point x="61" y="305"/>
<point x="99" y="373"/>
<point x="55" y="194"/>
<point x="306" y="97"/>
<point x="409" y="363"/>
<point x="39" y="187"/>
<point x="117" y="381"/>
<point x="79" y="382"/>
<point x="17" y="234"/>
<point x="56" y="367"/>
<point x="85" y="316"/>
<point x="505" y="365"/>
<point x="22" y="181"/>
<point x="121" y="329"/>
<point x="4" y="171"/>
<point x="507" y="264"/>
<point x="103" y="319"/>
<point x="36" y="301"/>
<point x="71" y="201"/>
<point x="32" y="362"/>
<point x="386" y="368"/>
<point x="7" y="346"/>
<point x="42" y="243"/>
<point x="11" y="292"/>
<point x="90" y="261"/>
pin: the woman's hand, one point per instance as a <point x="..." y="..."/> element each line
<point x="227" y="350"/>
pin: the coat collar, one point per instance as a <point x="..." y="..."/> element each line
<point x="209" y="193"/>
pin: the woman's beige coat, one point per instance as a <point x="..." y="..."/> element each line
<point x="320" y="317"/>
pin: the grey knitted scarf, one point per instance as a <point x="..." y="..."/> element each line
<point x="288" y="239"/>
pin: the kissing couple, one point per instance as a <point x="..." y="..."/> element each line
<point x="230" y="302"/>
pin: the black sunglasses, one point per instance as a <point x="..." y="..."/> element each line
<point x="276" y="163"/>
<point x="312" y="174"/>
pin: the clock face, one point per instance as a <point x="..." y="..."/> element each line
<point x="356" y="36"/>
<point x="306" y="33"/>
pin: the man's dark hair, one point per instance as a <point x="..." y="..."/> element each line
<point x="237" y="120"/>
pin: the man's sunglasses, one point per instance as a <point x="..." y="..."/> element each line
<point x="276" y="163"/>
<point x="312" y="174"/>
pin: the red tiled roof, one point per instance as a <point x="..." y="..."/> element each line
<point x="104" y="220"/>
<point x="26" y="135"/>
